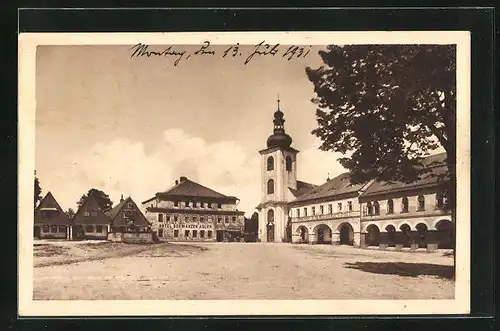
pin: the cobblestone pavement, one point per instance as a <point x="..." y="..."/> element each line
<point x="251" y="271"/>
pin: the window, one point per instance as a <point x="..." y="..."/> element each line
<point x="98" y="228"/>
<point x="305" y="211"/>
<point x="62" y="228"/>
<point x="234" y="219"/>
<point x="129" y="205"/>
<point x="168" y="218"/>
<point x="270" y="163"/>
<point x="270" y="186"/>
<point x="226" y="220"/>
<point x="176" y="233"/>
<point x="45" y="228"/>
<point x="270" y="216"/>
<point x="376" y="208"/>
<point x="53" y="228"/>
<point x="288" y="163"/>
<point x="439" y="200"/>
<point x="390" y="206"/>
<point x="160" y="218"/>
<point x="219" y="206"/>
<point x="330" y="209"/>
<point x="298" y="212"/>
<point x="195" y="233"/>
<point x="209" y="219"/>
<point x="349" y="205"/>
<point x="219" y="220"/>
<point x="94" y="214"/>
<point x="404" y="205"/>
<point x="209" y="206"/>
<point x="313" y="210"/>
<point x="176" y="219"/>
<point x="421" y="203"/>
<point x="176" y="203"/>
<point x="186" y="233"/>
<point x="321" y="210"/>
<point x="202" y="233"/>
<point x="202" y="219"/>
<point x="186" y="204"/>
<point x="89" y="228"/>
<point x="339" y="206"/>
<point x="86" y="213"/>
<point x="160" y="233"/>
<point x="209" y="234"/>
<point x="195" y="219"/>
<point x="369" y="208"/>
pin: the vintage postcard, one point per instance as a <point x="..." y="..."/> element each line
<point x="244" y="173"/>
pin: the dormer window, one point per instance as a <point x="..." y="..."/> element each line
<point x="129" y="205"/>
<point x="86" y="213"/>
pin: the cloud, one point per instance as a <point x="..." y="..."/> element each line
<point x="123" y="166"/>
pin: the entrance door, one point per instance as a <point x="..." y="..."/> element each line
<point x="36" y="232"/>
<point x="219" y="235"/>
<point x="270" y="233"/>
<point x="321" y="236"/>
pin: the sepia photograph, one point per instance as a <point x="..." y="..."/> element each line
<point x="226" y="173"/>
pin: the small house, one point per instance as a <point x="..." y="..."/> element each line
<point x="90" y="222"/>
<point x="50" y="220"/>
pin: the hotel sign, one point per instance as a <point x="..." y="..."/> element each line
<point x="191" y="226"/>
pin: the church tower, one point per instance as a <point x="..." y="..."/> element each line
<point x="278" y="176"/>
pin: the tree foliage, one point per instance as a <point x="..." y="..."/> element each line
<point x="71" y="213"/>
<point x="102" y="199"/>
<point x="38" y="191"/>
<point x="385" y="107"/>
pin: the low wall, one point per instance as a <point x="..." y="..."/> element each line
<point x="138" y="237"/>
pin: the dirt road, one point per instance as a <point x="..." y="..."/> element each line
<point x="251" y="271"/>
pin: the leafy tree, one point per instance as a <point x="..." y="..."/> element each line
<point x="102" y="199"/>
<point x="38" y="190"/>
<point x="289" y="230"/>
<point x="71" y="213"/>
<point x="385" y="107"/>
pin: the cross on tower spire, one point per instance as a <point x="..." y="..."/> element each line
<point x="278" y="101"/>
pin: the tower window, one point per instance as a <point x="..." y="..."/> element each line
<point x="270" y="216"/>
<point x="270" y="163"/>
<point x="288" y="163"/>
<point x="270" y="186"/>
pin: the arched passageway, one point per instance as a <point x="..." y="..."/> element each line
<point x="391" y="235"/>
<point x="373" y="237"/>
<point x="422" y="231"/>
<point x="303" y="234"/>
<point x="323" y="234"/>
<point x="346" y="234"/>
<point x="446" y="234"/>
<point x="406" y="235"/>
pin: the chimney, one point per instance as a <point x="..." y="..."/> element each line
<point x="176" y="182"/>
<point x="182" y="179"/>
<point x="121" y="199"/>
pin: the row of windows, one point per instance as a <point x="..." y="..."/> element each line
<point x="175" y="219"/>
<point x="288" y="163"/>
<point x="193" y="204"/>
<point x="90" y="228"/>
<point x="54" y="229"/>
<point x="330" y="209"/>
<point x="87" y="213"/>
<point x="188" y="233"/>
<point x="373" y="208"/>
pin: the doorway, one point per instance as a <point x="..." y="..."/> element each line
<point x="219" y="235"/>
<point x="270" y="233"/>
<point x="36" y="232"/>
<point x="346" y="234"/>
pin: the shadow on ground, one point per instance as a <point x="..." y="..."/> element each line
<point x="404" y="269"/>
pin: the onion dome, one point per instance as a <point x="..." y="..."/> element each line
<point x="279" y="138"/>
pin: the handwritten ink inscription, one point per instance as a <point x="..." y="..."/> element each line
<point x="262" y="49"/>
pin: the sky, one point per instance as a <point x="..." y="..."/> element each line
<point x="133" y="125"/>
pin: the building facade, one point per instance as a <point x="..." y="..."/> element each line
<point x="128" y="223"/>
<point x="90" y="222"/>
<point x="375" y="213"/>
<point x="192" y="212"/>
<point x="51" y="222"/>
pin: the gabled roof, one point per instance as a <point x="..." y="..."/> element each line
<point x="302" y="188"/>
<point x="50" y="203"/>
<point x="336" y="186"/>
<point x="90" y="205"/>
<point x="188" y="188"/>
<point x="116" y="216"/>
<point x="438" y="170"/>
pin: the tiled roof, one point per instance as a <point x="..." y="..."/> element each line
<point x="302" y="188"/>
<point x="436" y="163"/>
<point x="50" y="203"/>
<point x="188" y="188"/>
<point x="114" y="214"/>
<point x="336" y="186"/>
<point x="90" y="205"/>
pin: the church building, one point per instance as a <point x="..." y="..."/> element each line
<point x="374" y="213"/>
